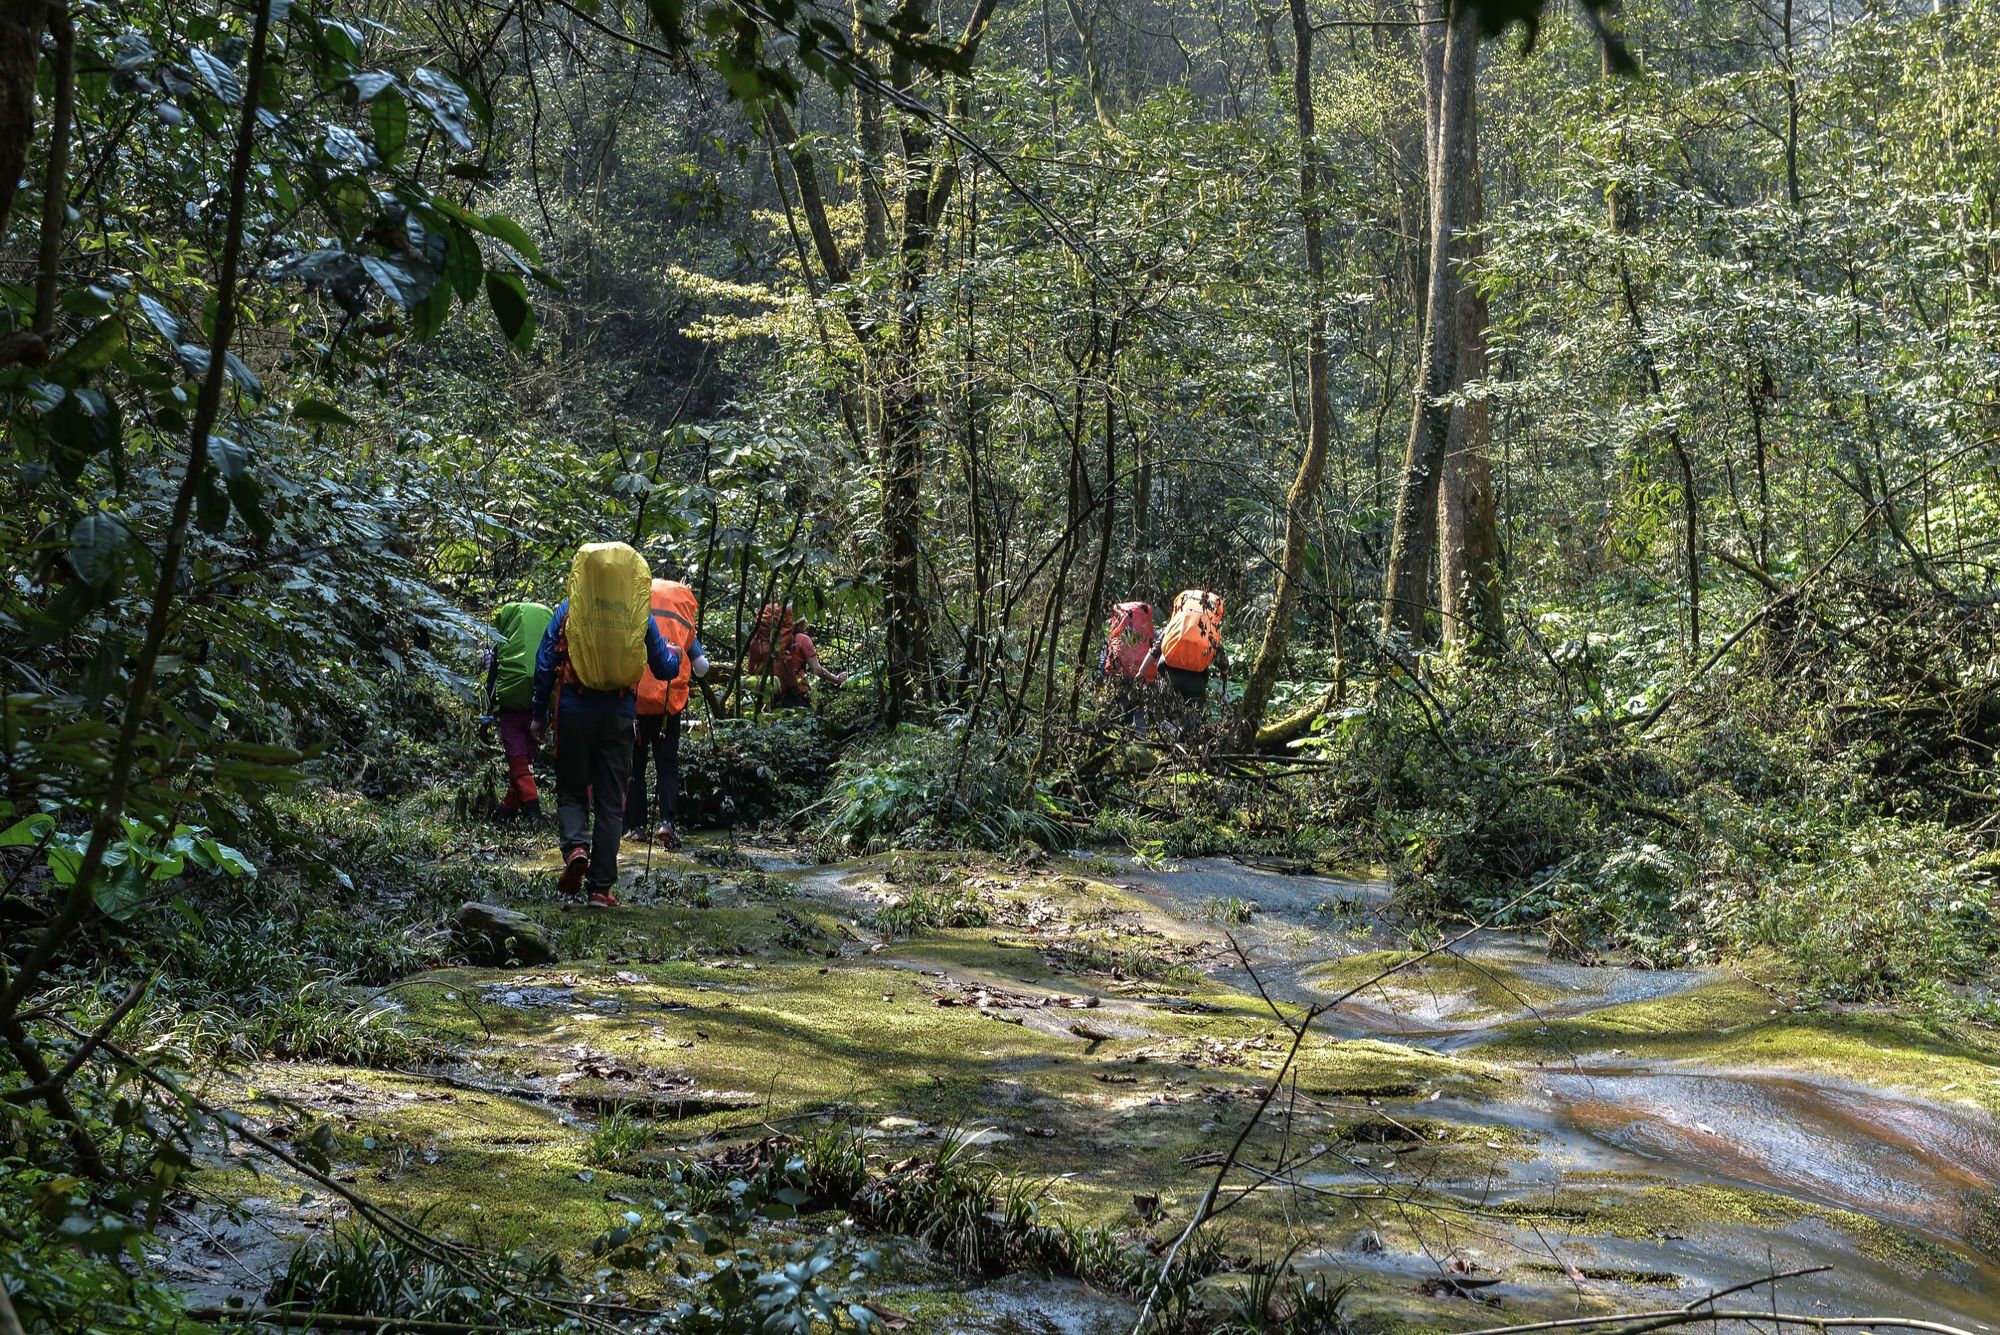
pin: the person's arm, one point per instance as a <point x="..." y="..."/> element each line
<point x="661" y="656"/>
<point x="819" y="669"/>
<point x="547" y="663"/>
<point x="697" y="659"/>
<point x="1150" y="664"/>
<point x="1222" y="661"/>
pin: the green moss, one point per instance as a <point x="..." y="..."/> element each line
<point x="1451" y="987"/>
<point x="1733" y="1025"/>
<point x="1659" y="1209"/>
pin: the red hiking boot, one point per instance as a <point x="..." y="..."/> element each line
<point x="575" y="866"/>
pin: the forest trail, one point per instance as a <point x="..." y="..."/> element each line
<point x="1534" y="1139"/>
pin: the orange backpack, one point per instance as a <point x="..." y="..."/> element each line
<point x="674" y="612"/>
<point x="1194" y="632"/>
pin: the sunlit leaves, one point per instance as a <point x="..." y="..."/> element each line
<point x="506" y="229"/>
<point x="219" y="77"/>
<point x="447" y="103"/>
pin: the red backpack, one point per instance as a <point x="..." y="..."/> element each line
<point x="1128" y="639"/>
<point x="770" y="647"/>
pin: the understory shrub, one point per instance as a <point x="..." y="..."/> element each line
<point x="741" y="772"/>
<point x="924" y="788"/>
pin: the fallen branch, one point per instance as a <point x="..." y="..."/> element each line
<point x="1632" y="1322"/>
<point x="1571" y="783"/>
<point x="1278" y="735"/>
<point x="54" y="1084"/>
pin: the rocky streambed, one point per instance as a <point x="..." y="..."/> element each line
<point x="1479" y="1137"/>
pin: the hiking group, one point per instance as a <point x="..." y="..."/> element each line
<point x="1179" y="657"/>
<point x="603" y="678"/>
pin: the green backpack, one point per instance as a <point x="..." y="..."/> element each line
<point x="521" y="626"/>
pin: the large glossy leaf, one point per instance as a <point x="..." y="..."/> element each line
<point x="91" y="352"/>
<point x="503" y="228"/>
<point x="317" y="410"/>
<point x="446" y="103"/>
<point x="217" y="74"/>
<point x="97" y="544"/>
<point x="509" y="297"/>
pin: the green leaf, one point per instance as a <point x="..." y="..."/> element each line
<point x="84" y="425"/>
<point x="246" y="494"/>
<point x="394" y="278"/>
<point x="668" y="15"/>
<point x="211" y="505"/>
<point x="509" y="297"/>
<point x="231" y="460"/>
<point x="216" y="856"/>
<point x="28" y="831"/>
<point x="503" y="228"/>
<point x="318" y="410"/>
<point x="369" y="84"/>
<point x="120" y="890"/>
<point x="90" y="353"/>
<point x="429" y="315"/>
<point x="97" y="546"/>
<point x="463" y="263"/>
<point x="446" y="102"/>
<point x="219" y="77"/>
<point x="161" y="318"/>
<point x="389" y="119"/>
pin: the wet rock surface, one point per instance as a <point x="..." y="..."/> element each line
<point x="1471" y="1137"/>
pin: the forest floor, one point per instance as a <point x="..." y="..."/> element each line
<point x="1488" y="1136"/>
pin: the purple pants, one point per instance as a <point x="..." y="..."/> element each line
<point x="520" y="748"/>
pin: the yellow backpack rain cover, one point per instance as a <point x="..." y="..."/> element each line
<point x="610" y="602"/>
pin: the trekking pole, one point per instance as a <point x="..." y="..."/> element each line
<point x="649" y="857"/>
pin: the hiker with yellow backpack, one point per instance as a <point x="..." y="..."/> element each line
<point x="1190" y="646"/>
<point x="661" y="702"/>
<point x="599" y="643"/>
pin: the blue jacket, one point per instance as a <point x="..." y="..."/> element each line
<point x="662" y="657"/>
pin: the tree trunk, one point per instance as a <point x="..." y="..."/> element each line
<point x="21" y="24"/>
<point x="1468" y="534"/>
<point x="1319" y="412"/>
<point x="1406" y="591"/>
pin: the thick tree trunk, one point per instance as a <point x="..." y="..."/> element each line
<point x="1406" y="591"/>
<point x="905" y="620"/>
<point x="1304" y="494"/>
<point x="1468" y="533"/>
<point x="21" y="25"/>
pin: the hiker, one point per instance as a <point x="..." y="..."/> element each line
<point x="510" y="698"/>
<point x="1190" y="645"/>
<point x="781" y="645"/>
<point x="599" y="643"/>
<point x="660" y="706"/>
<point x="1128" y="647"/>
<point x="796" y="686"/>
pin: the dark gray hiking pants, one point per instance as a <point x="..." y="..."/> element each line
<point x="593" y="763"/>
